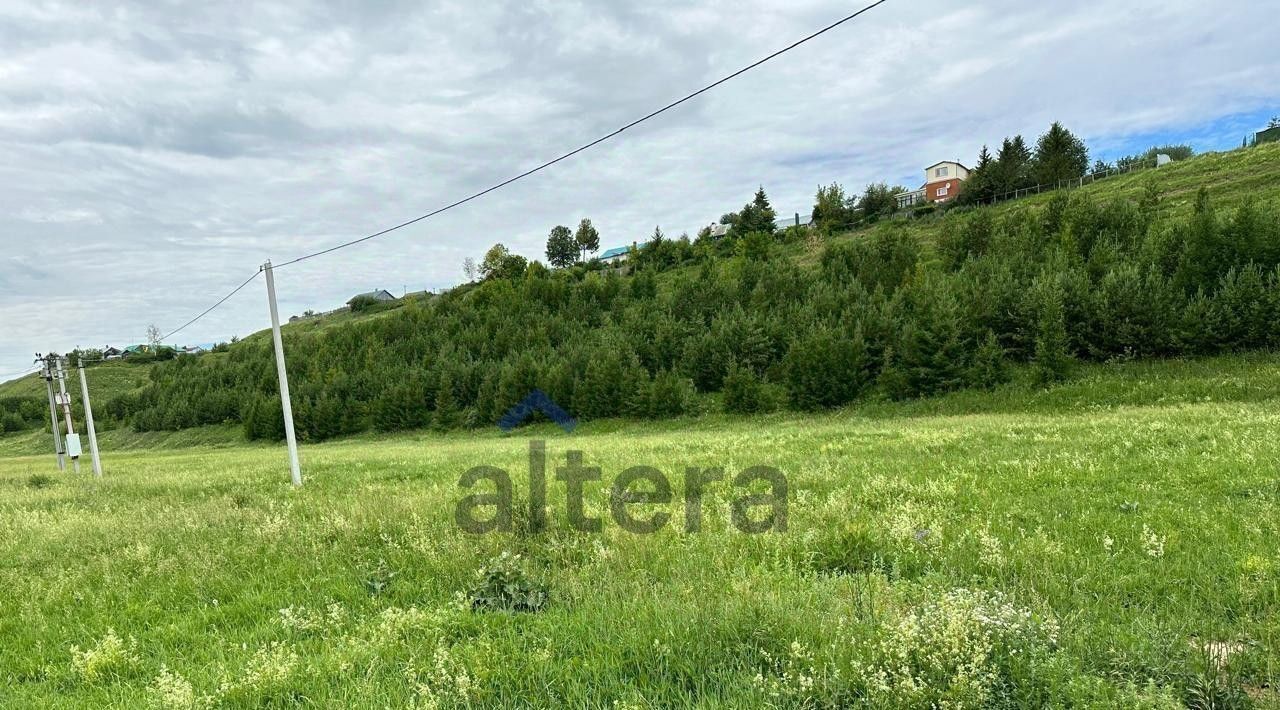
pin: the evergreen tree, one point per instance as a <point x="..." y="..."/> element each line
<point x="744" y="392"/>
<point x="989" y="367"/>
<point x="1060" y="156"/>
<point x="1052" y="358"/>
<point x="1012" y="166"/>
<point x="756" y="216"/>
<point x="670" y="395"/>
<point x="931" y="353"/>
<point x="826" y="369"/>
<point x="587" y="238"/>
<point x="447" y="415"/>
<point x="562" y="249"/>
<point x="980" y="188"/>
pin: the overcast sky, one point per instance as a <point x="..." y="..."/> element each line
<point x="154" y="155"/>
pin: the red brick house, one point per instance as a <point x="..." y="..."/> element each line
<point x="941" y="183"/>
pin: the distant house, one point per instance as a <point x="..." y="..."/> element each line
<point x="145" y="350"/>
<point x="193" y="350"/>
<point x="380" y="296"/>
<point x="1271" y="135"/>
<point x="110" y="353"/>
<point x="718" y="230"/>
<point x="941" y="184"/>
<point x="616" y="255"/>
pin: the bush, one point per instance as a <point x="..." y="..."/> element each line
<point x="12" y="422"/>
<point x="670" y="395"/>
<point x="826" y="369"/>
<point x="989" y="367"/>
<point x="1052" y="360"/>
<point x="744" y="392"/>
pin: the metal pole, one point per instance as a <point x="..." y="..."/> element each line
<point x="47" y="373"/>
<point x="66" y="410"/>
<point x="88" y="422"/>
<point x="294" y="468"/>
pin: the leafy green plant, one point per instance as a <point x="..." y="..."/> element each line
<point x="504" y="585"/>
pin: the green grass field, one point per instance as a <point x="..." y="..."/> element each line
<point x="1110" y="542"/>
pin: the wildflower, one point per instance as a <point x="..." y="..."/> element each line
<point x="1153" y="543"/>
<point x="110" y="657"/>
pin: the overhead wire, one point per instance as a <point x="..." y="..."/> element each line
<point x="532" y="171"/>
<point x="587" y="146"/>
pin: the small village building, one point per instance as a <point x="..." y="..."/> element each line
<point x="381" y="296"/>
<point x="616" y="255"/>
<point x="941" y="184"/>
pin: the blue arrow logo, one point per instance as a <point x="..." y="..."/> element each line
<point x="537" y="401"/>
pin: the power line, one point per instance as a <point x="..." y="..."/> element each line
<point x="540" y="168"/>
<point x="16" y="375"/>
<point x="210" y="309"/>
<point x="592" y="144"/>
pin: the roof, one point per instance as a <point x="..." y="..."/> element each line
<point x="616" y="251"/>
<point x="379" y="294"/>
<point x="947" y="162"/>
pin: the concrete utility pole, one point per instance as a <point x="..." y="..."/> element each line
<point x="88" y="422"/>
<point x="47" y="373"/>
<point x="294" y="468"/>
<point x="73" y="441"/>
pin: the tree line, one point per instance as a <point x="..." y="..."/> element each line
<point x="737" y="323"/>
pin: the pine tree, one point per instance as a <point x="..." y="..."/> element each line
<point x="1012" y="168"/>
<point x="989" y="367"/>
<point x="980" y="188"/>
<point x="447" y="415"/>
<point x="1052" y="360"/>
<point x="826" y="369"/>
<point x="1060" y="156"/>
<point x="587" y="238"/>
<point x="744" y="392"/>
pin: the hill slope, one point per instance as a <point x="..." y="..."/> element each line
<point x="1179" y="260"/>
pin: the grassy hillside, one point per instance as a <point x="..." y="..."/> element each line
<point x="107" y="379"/>
<point x="1104" y="543"/>
<point x="1232" y="178"/>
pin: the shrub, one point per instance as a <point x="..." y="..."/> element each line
<point x="988" y="368"/>
<point x="670" y="395"/>
<point x="826" y="369"/>
<point x="1052" y="359"/>
<point x="744" y="392"/>
<point x="504" y="585"/>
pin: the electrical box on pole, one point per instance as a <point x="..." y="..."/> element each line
<point x="64" y="399"/>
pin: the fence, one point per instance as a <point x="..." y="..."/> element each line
<point x="1077" y="182"/>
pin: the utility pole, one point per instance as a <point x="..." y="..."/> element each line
<point x="73" y="441"/>
<point x="88" y="422"/>
<point x="294" y="468"/>
<point x="46" y="372"/>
